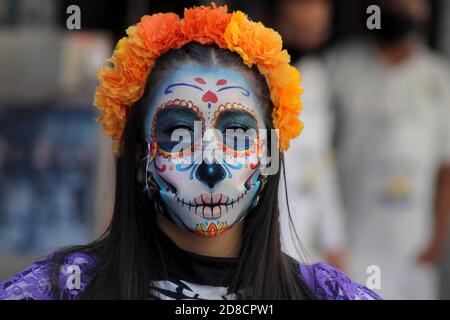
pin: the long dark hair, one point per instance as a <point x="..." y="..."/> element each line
<point x="128" y="249"/>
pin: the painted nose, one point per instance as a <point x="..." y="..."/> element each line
<point x="210" y="174"/>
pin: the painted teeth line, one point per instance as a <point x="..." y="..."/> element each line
<point x="184" y="203"/>
<point x="211" y="204"/>
<point x="211" y="213"/>
<point x="192" y="205"/>
<point x="238" y="199"/>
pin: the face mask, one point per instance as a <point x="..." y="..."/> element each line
<point x="204" y="180"/>
<point x="394" y="27"/>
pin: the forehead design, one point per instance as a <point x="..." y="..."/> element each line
<point x="206" y="89"/>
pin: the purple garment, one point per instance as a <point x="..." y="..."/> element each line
<point x="34" y="283"/>
<point x="329" y="283"/>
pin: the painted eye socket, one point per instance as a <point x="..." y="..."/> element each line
<point x="181" y="134"/>
<point x="239" y="129"/>
<point x="175" y="125"/>
<point x="239" y="138"/>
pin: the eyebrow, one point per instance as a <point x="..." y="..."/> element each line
<point x="180" y="84"/>
<point x="245" y="91"/>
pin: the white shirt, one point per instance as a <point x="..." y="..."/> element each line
<point x="394" y="136"/>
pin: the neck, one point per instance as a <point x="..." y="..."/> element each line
<point x="226" y="245"/>
<point x="396" y="53"/>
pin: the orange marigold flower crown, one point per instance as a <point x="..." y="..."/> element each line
<point x="121" y="85"/>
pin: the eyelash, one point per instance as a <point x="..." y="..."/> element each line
<point x="179" y="126"/>
<point x="236" y="127"/>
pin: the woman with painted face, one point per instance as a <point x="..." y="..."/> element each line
<point x="191" y="105"/>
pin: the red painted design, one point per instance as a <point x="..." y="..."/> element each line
<point x="212" y="229"/>
<point x="162" y="169"/>
<point x="221" y="82"/>
<point x="200" y="80"/>
<point x="163" y="154"/>
<point x="209" y="96"/>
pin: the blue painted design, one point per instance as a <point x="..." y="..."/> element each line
<point x="209" y="105"/>
<point x="191" y="174"/>
<point x="180" y="168"/>
<point x="228" y="171"/>
<point x="167" y="146"/>
<point x="255" y="180"/>
<point x="236" y="167"/>
<point x="169" y="88"/>
<point x="245" y="91"/>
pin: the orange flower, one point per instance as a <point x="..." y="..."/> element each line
<point x="125" y="58"/>
<point x="255" y="43"/>
<point x="112" y="115"/>
<point x="289" y="131"/>
<point x="160" y="32"/>
<point x="119" y="84"/>
<point x="137" y="45"/>
<point x="206" y="25"/>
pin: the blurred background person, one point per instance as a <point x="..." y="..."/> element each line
<point x="394" y="150"/>
<point x="311" y="176"/>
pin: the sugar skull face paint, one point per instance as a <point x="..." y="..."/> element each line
<point x="211" y="183"/>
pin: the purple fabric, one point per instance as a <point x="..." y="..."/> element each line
<point x="35" y="282"/>
<point x="329" y="283"/>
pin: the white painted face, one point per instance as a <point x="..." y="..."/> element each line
<point x="211" y="183"/>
